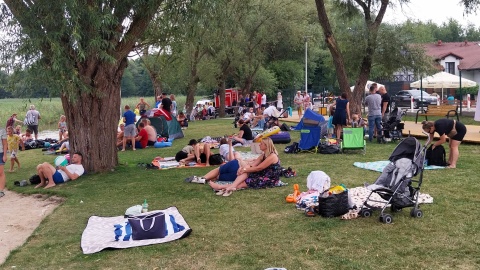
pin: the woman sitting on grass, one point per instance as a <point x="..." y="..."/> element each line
<point x="261" y="173"/>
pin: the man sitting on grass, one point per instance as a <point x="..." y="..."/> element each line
<point x="62" y="174"/>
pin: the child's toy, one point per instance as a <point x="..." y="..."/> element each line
<point x="292" y="198"/>
<point x="337" y="189"/>
<point x="267" y="133"/>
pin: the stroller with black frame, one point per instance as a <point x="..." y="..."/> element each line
<point x="396" y="184"/>
<point x="392" y="128"/>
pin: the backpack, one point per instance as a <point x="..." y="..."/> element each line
<point x="215" y="159"/>
<point x="329" y="149"/>
<point x="292" y="149"/>
<point x="284" y="127"/>
<point x="436" y="156"/>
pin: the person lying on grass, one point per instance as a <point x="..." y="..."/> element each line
<point x="226" y="150"/>
<point x="261" y="173"/>
<point x="194" y="151"/>
<point x="49" y="176"/>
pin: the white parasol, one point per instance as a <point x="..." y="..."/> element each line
<point x="443" y="80"/>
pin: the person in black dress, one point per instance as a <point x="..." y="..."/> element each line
<point x="342" y="113"/>
<point x="447" y="128"/>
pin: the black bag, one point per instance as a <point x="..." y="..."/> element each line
<point x="329" y="149"/>
<point x="215" y="159"/>
<point x="334" y="205"/>
<point x="284" y="127"/>
<point x="292" y="149"/>
<point x="436" y="156"/>
<point x="34" y="179"/>
<point x="148" y="226"/>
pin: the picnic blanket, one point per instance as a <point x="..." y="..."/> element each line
<point x="378" y="166"/>
<point x="170" y="162"/>
<point x="113" y="232"/>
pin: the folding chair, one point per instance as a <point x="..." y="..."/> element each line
<point x="353" y="138"/>
<point x="309" y="140"/>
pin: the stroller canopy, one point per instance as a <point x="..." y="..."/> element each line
<point x="408" y="148"/>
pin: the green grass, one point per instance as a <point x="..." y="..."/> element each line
<point x="256" y="229"/>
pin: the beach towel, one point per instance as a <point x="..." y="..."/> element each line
<point x="378" y="166"/>
<point x="115" y="232"/>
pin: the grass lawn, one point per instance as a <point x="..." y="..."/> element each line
<point x="256" y="229"/>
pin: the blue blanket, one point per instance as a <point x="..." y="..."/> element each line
<point x="378" y="166"/>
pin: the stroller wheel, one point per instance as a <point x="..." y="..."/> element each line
<point x="366" y="213"/>
<point x="387" y="219"/>
<point x="416" y="213"/>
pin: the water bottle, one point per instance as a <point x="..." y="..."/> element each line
<point x="145" y="206"/>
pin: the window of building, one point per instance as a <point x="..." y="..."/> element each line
<point x="450" y="67"/>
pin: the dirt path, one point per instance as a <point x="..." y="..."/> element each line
<point x="20" y="216"/>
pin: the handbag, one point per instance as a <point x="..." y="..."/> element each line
<point x="148" y="226"/>
<point x="334" y="205"/>
<point x="453" y="132"/>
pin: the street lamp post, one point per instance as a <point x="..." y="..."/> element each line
<point x="306" y="62"/>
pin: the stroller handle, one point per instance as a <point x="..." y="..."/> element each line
<point x="428" y="138"/>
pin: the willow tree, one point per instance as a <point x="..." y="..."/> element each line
<point x="79" y="49"/>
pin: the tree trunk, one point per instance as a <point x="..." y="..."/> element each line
<point x="248" y="85"/>
<point x="333" y="47"/>
<point x="157" y="85"/>
<point x="94" y="133"/>
<point x="221" y="92"/>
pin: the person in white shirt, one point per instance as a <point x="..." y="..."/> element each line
<point x="248" y="116"/>
<point x="62" y="174"/>
<point x="298" y="101"/>
<point x="226" y="150"/>
<point x="264" y="100"/>
<point x="279" y="101"/>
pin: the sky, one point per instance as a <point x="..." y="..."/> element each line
<point x="437" y="11"/>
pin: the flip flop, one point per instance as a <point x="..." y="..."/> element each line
<point x="220" y="192"/>
<point x="228" y="192"/>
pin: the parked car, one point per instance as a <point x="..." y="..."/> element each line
<point x="403" y="98"/>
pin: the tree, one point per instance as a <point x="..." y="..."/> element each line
<point x="372" y="25"/>
<point x="81" y="48"/>
<point x="471" y="6"/>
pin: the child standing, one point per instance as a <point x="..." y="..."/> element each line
<point x="330" y="127"/>
<point x="62" y="127"/>
<point x="13" y="142"/>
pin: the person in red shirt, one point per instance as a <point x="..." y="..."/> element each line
<point x="141" y="140"/>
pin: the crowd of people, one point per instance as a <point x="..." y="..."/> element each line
<point x="256" y="111"/>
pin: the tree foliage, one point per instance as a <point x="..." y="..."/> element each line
<point x="81" y="49"/>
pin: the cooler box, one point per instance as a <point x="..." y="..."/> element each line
<point x="281" y="137"/>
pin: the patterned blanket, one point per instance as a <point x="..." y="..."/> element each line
<point x="115" y="232"/>
<point x="378" y="166"/>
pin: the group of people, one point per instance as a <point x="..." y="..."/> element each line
<point x="12" y="140"/>
<point x="302" y="101"/>
<point x="137" y="137"/>
<point x="261" y="172"/>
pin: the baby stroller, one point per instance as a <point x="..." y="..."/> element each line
<point x="396" y="184"/>
<point x="392" y="128"/>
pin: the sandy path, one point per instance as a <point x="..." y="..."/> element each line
<point x="21" y="214"/>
